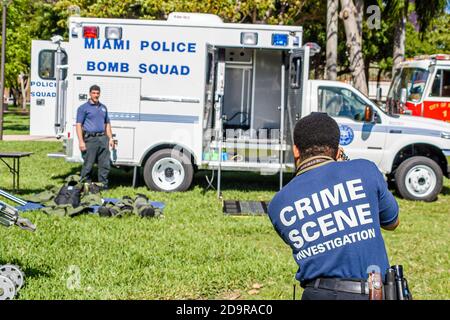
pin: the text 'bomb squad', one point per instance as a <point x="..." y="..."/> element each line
<point x="179" y="47"/>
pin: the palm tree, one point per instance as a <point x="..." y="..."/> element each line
<point x="398" y="10"/>
<point x="351" y="16"/>
<point x="332" y="39"/>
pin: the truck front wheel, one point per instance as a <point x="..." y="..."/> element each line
<point x="419" y="178"/>
<point x="168" y="170"/>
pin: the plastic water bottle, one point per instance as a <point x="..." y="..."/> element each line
<point x="114" y="155"/>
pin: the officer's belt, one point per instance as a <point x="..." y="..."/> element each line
<point x="336" y="284"/>
<point x="93" y="134"/>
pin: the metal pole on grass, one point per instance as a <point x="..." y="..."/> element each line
<point x="5" y="4"/>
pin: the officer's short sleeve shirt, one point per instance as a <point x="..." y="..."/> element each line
<point x="93" y="117"/>
<point x="330" y="216"/>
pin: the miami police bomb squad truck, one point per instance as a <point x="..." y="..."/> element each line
<point x="194" y="93"/>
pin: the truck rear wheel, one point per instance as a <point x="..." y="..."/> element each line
<point x="419" y="178"/>
<point x="168" y="170"/>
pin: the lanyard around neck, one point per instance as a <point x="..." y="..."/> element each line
<point x="311" y="163"/>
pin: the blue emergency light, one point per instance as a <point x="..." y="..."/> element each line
<point x="280" y="40"/>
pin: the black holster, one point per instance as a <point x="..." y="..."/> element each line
<point x="396" y="285"/>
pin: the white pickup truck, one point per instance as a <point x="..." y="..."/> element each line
<point x="413" y="152"/>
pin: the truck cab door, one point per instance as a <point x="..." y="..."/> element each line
<point x="436" y="103"/>
<point x="359" y="138"/>
<point x="43" y="86"/>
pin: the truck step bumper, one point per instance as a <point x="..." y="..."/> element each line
<point x="56" y="155"/>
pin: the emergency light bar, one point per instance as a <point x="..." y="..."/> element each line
<point x="439" y="56"/>
<point x="313" y="48"/>
<point x="280" y="40"/>
<point x="113" y="33"/>
<point x="90" y="32"/>
<point x="249" y="38"/>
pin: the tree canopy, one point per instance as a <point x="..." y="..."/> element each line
<point x="41" y="19"/>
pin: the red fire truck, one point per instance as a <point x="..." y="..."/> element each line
<point x="421" y="87"/>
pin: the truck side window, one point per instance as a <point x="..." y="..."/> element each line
<point x="340" y="102"/>
<point x="441" y="84"/>
<point x="47" y="64"/>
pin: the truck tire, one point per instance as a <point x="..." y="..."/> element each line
<point x="419" y="178"/>
<point x="168" y="170"/>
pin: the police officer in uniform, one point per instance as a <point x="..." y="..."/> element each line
<point x="331" y="213"/>
<point x="95" y="136"/>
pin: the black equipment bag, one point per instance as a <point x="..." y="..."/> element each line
<point x="69" y="194"/>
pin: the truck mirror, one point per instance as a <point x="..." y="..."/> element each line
<point x="368" y="114"/>
<point x="403" y="96"/>
<point x="379" y="94"/>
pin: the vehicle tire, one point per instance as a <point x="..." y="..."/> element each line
<point x="419" y="178"/>
<point x="168" y="170"/>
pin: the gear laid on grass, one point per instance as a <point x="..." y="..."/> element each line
<point x="14" y="273"/>
<point x="7" y="288"/>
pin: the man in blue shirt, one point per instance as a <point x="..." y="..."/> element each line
<point x="330" y="214"/>
<point x="94" y="136"/>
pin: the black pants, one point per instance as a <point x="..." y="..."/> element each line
<point x="323" y="294"/>
<point x="97" y="151"/>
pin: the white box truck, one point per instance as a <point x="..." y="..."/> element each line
<point x="194" y="93"/>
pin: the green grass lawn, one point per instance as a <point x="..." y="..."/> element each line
<point x="195" y="252"/>
<point x="16" y="122"/>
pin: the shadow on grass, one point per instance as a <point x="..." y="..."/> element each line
<point x="16" y="127"/>
<point x="60" y="178"/>
<point x="22" y="192"/>
<point x="123" y="176"/>
<point x="242" y="181"/>
<point x="445" y="191"/>
<point x="117" y="176"/>
<point x="238" y="181"/>
<point x="30" y="272"/>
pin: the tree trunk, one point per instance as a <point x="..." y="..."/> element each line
<point x="378" y="83"/>
<point x="6" y="95"/>
<point x="399" y="44"/>
<point x="15" y="95"/>
<point x="22" y="90"/>
<point x="359" y="5"/>
<point x="332" y="40"/>
<point x="27" y="89"/>
<point x="354" y="47"/>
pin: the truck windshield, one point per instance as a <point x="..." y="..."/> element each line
<point x="413" y="79"/>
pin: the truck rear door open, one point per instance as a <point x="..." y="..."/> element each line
<point x="43" y="86"/>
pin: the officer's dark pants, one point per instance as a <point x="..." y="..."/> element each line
<point x="97" y="150"/>
<point x="310" y="293"/>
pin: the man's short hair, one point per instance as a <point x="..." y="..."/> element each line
<point x="94" y="88"/>
<point x="317" y="134"/>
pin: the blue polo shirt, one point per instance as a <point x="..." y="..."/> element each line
<point x="331" y="215"/>
<point x="92" y="117"/>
